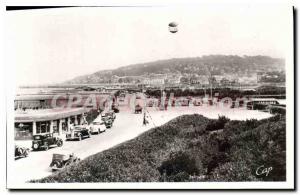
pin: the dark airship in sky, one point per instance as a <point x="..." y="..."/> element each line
<point x="173" y="27"/>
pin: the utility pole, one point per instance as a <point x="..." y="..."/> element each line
<point x="209" y="78"/>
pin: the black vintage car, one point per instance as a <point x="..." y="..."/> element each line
<point x="78" y="133"/>
<point x="21" y="152"/>
<point x="109" y="114"/>
<point x="115" y="108"/>
<point x="45" y="141"/>
<point x="108" y="122"/>
<point x="60" y="161"/>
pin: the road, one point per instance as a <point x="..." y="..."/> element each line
<point x="127" y="126"/>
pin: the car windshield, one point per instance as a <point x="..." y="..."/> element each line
<point x="59" y="157"/>
<point x="37" y="137"/>
<point x="107" y="114"/>
<point x="77" y="128"/>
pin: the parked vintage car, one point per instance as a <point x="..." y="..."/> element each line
<point x="97" y="126"/>
<point x="60" y="161"/>
<point x="185" y="102"/>
<point x="197" y="102"/>
<point x="45" y="141"/>
<point x="115" y="108"/>
<point x="138" y="97"/>
<point x="138" y="109"/>
<point x="108" y="122"/>
<point x="78" y="133"/>
<point x="150" y="104"/>
<point x="21" y="152"/>
<point x="109" y="114"/>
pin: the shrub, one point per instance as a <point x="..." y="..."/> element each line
<point x="233" y="171"/>
<point x="179" y="163"/>
<point x="181" y="150"/>
<point x="264" y="145"/>
<point x="277" y="110"/>
<point x="217" y="124"/>
<point x="259" y="107"/>
<point x="217" y="159"/>
<point x="179" y="177"/>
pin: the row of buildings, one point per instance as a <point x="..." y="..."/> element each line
<point x="54" y="112"/>
<point x="188" y="79"/>
<point x="183" y="79"/>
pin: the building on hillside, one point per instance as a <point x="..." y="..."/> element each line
<point x="219" y="78"/>
<point x="199" y="80"/>
<point x="173" y="79"/>
<point x="247" y="80"/>
<point x="154" y="80"/>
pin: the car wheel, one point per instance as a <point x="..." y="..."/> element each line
<point x="55" y="166"/>
<point x="46" y="147"/>
<point x="99" y="131"/>
<point x="26" y="153"/>
<point x="35" y="146"/>
<point x="67" y="164"/>
<point x="79" y="138"/>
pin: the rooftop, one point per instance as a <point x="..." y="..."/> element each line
<point x="47" y="114"/>
<point x="264" y="99"/>
<point x="60" y="95"/>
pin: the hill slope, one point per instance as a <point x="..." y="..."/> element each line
<point x="189" y="148"/>
<point x="217" y="64"/>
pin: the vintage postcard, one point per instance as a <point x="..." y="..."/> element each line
<point x="150" y="97"/>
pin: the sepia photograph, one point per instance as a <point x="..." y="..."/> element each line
<point x="150" y="97"/>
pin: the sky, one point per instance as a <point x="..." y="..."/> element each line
<point x="54" y="45"/>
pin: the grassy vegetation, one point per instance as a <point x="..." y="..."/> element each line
<point x="185" y="149"/>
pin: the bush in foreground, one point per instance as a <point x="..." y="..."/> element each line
<point x="178" y="167"/>
<point x="184" y="150"/>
